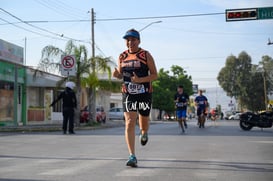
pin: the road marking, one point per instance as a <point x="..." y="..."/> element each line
<point x="135" y="172"/>
<point x="268" y="142"/>
<point x="74" y="167"/>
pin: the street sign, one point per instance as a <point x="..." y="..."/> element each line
<point x="195" y="88"/>
<point x="265" y="13"/>
<point x="241" y="14"/>
<point x="68" y="65"/>
<point x="249" y="14"/>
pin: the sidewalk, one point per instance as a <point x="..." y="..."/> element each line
<point x="58" y="127"/>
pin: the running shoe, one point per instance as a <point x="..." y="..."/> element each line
<point x="186" y="125"/>
<point x="132" y="162"/>
<point x="143" y="139"/>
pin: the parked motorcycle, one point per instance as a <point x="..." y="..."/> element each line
<point x="248" y="120"/>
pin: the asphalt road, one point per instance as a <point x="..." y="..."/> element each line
<point x="223" y="153"/>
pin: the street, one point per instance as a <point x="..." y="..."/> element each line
<point x="223" y="152"/>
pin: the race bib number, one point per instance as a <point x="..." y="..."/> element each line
<point x="180" y="104"/>
<point x="135" y="88"/>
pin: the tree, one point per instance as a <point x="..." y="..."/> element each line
<point x="91" y="81"/>
<point x="85" y="74"/>
<point x="165" y="88"/>
<point x="267" y="67"/>
<point x="244" y="81"/>
<point x="50" y="62"/>
<point x="254" y="92"/>
<point x="235" y="76"/>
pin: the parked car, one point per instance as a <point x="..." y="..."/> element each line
<point x="230" y="113"/>
<point x="116" y="113"/>
<point x="235" y="116"/>
<point x="100" y="115"/>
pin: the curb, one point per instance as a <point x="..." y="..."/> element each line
<point x="57" y="127"/>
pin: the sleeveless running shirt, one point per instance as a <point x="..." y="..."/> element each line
<point x="137" y="63"/>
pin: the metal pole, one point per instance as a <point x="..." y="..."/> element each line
<point x="265" y="94"/>
<point x="15" y="95"/>
<point x="25" y="61"/>
<point x="149" y="25"/>
<point x="92" y="32"/>
<point x="92" y="109"/>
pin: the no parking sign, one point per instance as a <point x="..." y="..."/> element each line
<point x="68" y="65"/>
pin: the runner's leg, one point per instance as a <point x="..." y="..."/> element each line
<point x="130" y="123"/>
<point x="143" y="123"/>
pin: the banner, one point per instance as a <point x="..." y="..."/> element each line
<point x="11" y="53"/>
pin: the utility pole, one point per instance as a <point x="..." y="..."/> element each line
<point x="25" y="59"/>
<point x="92" y="32"/>
<point x="92" y="99"/>
<point x="265" y="92"/>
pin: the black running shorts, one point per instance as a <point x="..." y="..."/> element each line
<point x="137" y="102"/>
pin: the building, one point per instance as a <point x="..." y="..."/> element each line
<point x="12" y="84"/>
<point x="26" y="93"/>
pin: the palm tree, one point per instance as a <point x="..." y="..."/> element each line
<point x="50" y="62"/>
<point x="87" y="73"/>
<point x="98" y="65"/>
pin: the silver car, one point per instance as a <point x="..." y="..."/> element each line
<point x="235" y="116"/>
<point x="116" y="113"/>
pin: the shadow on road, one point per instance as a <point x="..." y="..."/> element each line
<point x="170" y="164"/>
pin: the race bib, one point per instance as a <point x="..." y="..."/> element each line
<point x="135" y="88"/>
<point x="180" y="104"/>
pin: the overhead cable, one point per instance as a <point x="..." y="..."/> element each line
<point x="42" y="29"/>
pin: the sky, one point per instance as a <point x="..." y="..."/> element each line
<point x="199" y="44"/>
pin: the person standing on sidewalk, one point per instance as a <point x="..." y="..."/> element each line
<point x="69" y="103"/>
<point x="181" y="101"/>
<point x="137" y="68"/>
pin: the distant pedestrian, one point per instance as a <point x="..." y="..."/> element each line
<point x="69" y="103"/>
<point x="201" y="103"/>
<point x="181" y="101"/>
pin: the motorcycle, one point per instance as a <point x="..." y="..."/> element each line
<point x="248" y="120"/>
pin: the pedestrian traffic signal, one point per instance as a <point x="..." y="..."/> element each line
<point x="241" y="14"/>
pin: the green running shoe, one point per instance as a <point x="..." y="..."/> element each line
<point x="143" y="139"/>
<point x="132" y="162"/>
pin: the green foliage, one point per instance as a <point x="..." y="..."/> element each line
<point x="87" y="72"/>
<point x="244" y="81"/>
<point x="165" y="87"/>
<point x="267" y="67"/>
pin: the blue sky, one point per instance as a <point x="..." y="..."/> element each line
<point x="198" y="44"/>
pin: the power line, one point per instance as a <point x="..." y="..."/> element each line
<point x="41" y="29"/>
<point x="37" y="33"/>
<point x="52" y="21"/>
<point x="124" y="19"/>
<point x="59" y="7"/>
<point x="160" y="17"/>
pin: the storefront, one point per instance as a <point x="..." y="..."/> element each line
<point x="12" y="85"/>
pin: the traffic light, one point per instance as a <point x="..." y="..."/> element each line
<point x="241" y="14"/>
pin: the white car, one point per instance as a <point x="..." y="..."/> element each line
<point x="116" y="113"/>
<point x="235" y="116"/>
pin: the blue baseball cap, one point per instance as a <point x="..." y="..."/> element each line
<point x="132" y="33"/>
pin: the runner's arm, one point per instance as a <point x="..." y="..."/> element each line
<point x="153" y="72"/>
<point x="117" y="72"/>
